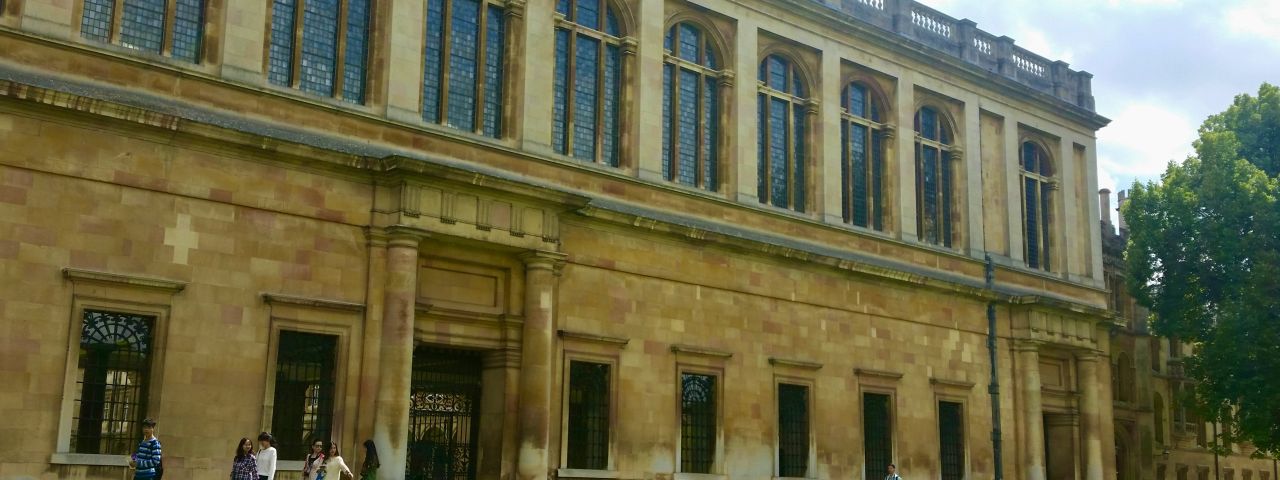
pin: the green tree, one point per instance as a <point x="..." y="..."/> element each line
<point x="1204" y="256"/>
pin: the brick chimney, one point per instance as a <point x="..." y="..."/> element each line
<point x="1120" y="199"/>
<point x="1104" y="199"/>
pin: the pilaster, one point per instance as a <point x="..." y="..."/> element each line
<point x="404" y="73"/>
<point x="830" y="184"/>
<point x="534" y="94"/>
<point x="245" y="37"/>
<point x="537" y="371"/>
<point x="744" y="123"/>
<point x="975" y="235"/>
<point x="1013" y="185"/>
<point x="650" y="52"/>
<point x="905" y="189"/>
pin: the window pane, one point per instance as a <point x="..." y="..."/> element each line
<point x="951" y="440"/>
<point x="1044" y="226"/>
<point x="1029" y="157"/>
<point x="929" y="194"/>
<point x="463" y="36"/>
<point x="188" y="30"/>
<point x="113" y="371"/>
<point x="143" y="25"/>
<point x="667" y="124"/>
<point x="778" y="136"/>
<point x="944" y="180"/>
<point x="762" y="148"/>
<point x="354" y="58"/>
<point x="793" y="430"/>
<point x="588" y="435"/>
<point x="1032" y="228"/>
<point x="280" y="66"/>
<point x="877" y="182"/>
<point x="846" y="203"/>
<point x="697" y="423"/>
<point x="612" y="89"/>
<point x="304" y="395"/>
<point x="857" y="100"/>
<point x="858" y="187"/>
<point x="562" y="6"/>
<point x="611" y="23"/>
<point x="587" y="58"/>
<point x="319" y="46"/>
<point x="928" y="123"/>
<point x="96" y="22"/>
<point x="588" y="14"/>
<point x="433" y="62"/>
<point x="877" y="434"/>
<point x="800" y="142"/>
<point x="776" y="73"/>
<point x="688" y="120"/>
<point x="710" y="134"/>
<point x="560" y="94"/>
<point x="690" y="40"/>
<point x="495" y="38"/>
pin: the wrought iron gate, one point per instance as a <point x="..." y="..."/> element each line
<point x="444" y="408"/>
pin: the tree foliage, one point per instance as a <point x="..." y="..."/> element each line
<point x="1204" y="256"/>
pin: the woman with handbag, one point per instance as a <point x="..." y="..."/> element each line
<point x="315" y="460"/>
<point x="245" y="464"/>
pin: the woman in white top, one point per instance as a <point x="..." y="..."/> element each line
<point x="266" y="457"/>
<point x="334" y="468"/>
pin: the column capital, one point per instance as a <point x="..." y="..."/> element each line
<point x="515" y="8"/>
<point x="405" y="236"/>
<point x="376" y="236"/>
<point x="1088" y="356"/>
<point x="955" y="154"/>
<point x="726" y="78"/>
<point x="543" y="260"/>
<point x="888" y="131"/>
<point x="630" y="45"/>
<point x="811" y="106"/>
<point x="1027" y="345"/>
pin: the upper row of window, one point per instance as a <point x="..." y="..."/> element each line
<point x="322" y="47"/>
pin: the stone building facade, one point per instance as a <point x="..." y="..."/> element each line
<point x="1156" y="436"/>
<point x="525" y="239"/>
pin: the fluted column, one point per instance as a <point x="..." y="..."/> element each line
<point x="391" y="417"/>
<point x="1032" y="412"/>
<point x="1090" y="415"/>
<point x="536" y="363"/>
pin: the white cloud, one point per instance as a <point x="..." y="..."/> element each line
<point x="1144" y="136"/>
<point x="1254" y="18"/>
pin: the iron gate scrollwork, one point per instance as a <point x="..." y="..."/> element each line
<point x="444" y="407"/>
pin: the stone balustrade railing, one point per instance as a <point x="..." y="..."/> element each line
<point x="962" y="39"/>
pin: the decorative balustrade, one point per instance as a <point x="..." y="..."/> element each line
<point x="962" y="39"/>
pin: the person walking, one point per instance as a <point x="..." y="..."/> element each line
<point x="266" y="456"/>
<point x="147" y="459"/>
<point x="893" y="473"/>
<point x="245" y="465"/>
<point x="369" y="471"/>
<point x="335" y="465"/>
<point x="311" y="465"/>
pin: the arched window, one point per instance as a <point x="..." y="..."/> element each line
<point x="328" y="55"/>
<point x="462" y="65"/>
<point x="1037" y="188"/>
<point x="861" y="157"/>
<point x="173" y="28"/>
<point x="588" y="81"/>
<point x="1157" y="405"/>
<point x="783" y="123"/>
<point x="933" y="177"/>
<point x="690" y="108"/>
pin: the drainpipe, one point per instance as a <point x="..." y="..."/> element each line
<point x="993" y="386"/>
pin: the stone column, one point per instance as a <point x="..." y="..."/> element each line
<point x="1032" y="413"/>
<point x="1090" y="416"/>
<point x="371" y="335"/>
<point x="391" y="416"/>
<point x="537" y="362"/>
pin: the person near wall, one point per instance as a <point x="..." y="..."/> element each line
<point x="893" y="473"/>
<point x="369" y="471"/>
<point x="245" y="465"/>
<point x="266" y="456"/>
<point x="147" y="458"/>
<point x="311" y="465"/>
<point x="334" y="465"/>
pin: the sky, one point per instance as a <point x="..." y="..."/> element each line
<point x="1160" y="67"/>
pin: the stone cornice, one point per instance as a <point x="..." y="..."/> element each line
<point x="801" y="364"/>
<point x="701" y="351"/>
<point x="311" y="302"/>
<point x="593" y="338"/>
<point x="127" y="280"/>
<point x="881" y="374"/>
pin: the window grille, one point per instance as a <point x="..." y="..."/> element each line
<point x="112" y="382"/>
<point x="304" y="392"/>
<point x="587" y="84"/>
<point x="588" y="435"/>
<point x="951" y="439"/>
<point x="444" y="409"/>
<point x="462" y="65"/>
<point x="793" y="430"/>
<point x="862" y="158"/>
<point x="334" y="36"/>
<point x="690" y="108"/>
<point x="877" y="434"/>
<point x="173" y="28"/>
<point x="933" y="178"/>
<point x="782" y="122"/>
<point x="697" y="422"/>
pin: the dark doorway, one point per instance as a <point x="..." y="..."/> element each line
<point x="444" y="408"/>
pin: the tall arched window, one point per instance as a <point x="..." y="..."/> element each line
<point x="462" y="65"/>
<point x="1157" y="405"/>
<point x="783" y="123"/>
<point x="588" y="81"/>
<point x="690" y="108"/>
<point x="173" y="28"/>
<point x="934" y="188"/>
<point x="1037" y="187"/>
<point x="328" y="55"/>
<point x="861" y="157"/>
